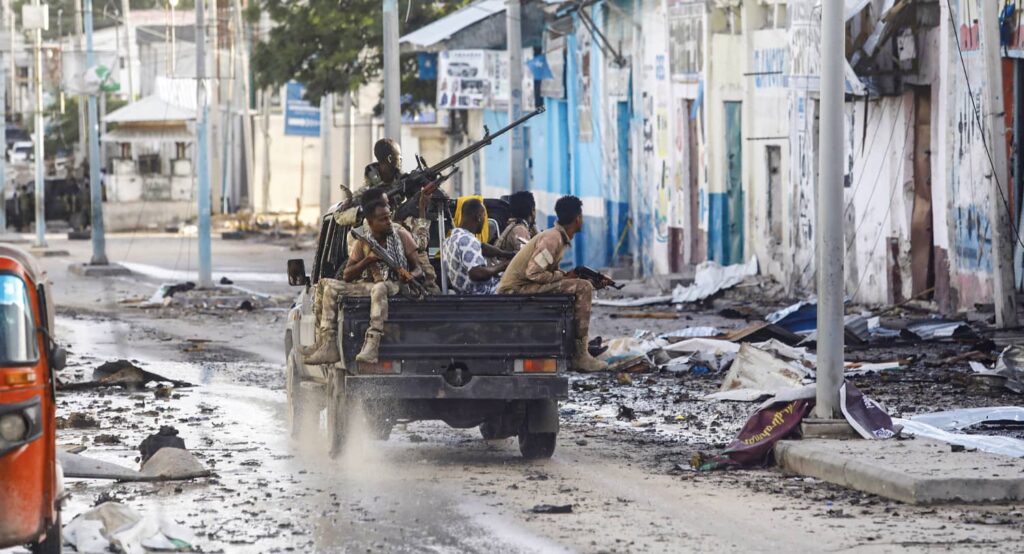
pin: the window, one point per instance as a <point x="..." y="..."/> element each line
<point x="18" y="343"/>
<point x="180" y="153"/>
<point x="149" y="164"/>
<point x="126" y="150"/>
<point x="773" y="157"/>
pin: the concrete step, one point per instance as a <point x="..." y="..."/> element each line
<point x="914" y="471"/>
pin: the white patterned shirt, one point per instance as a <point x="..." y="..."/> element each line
<point x="462" y="252"/>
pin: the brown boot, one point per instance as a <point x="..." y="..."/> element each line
<point x="584" y="362"/>
<point x="321" y="336"/>
<point x="327" y="349"/>
<point x="371" y="344"/>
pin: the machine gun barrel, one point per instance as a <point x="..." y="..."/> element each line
<point x="489" y="137"/>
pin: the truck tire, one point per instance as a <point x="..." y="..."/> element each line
<point x="51" y="544"/>
<point x="297" y="399"/>
<point x="337" y="413"/>
<point x="536" y="446"/>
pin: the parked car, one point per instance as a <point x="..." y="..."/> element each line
<point x="21" y="151"/>
<point x="31" y="482"/>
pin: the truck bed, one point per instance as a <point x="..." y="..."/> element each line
<point x="481" y="334"/>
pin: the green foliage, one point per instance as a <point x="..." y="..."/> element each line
<point x="334" y="45"/>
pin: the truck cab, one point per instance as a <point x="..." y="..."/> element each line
<point x="496" y="362"/>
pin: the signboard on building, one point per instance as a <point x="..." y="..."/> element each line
<point x="477" y="79"/>
<point x="301" y="119"/>
<point x="686" y="33"/>
<point x="78" y="78"/>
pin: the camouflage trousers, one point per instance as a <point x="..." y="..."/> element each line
<point x="428" y="273"/>
<point x="582" y="289"/>
<point x="330" y="291"/>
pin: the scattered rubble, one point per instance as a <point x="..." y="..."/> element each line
<point x="121" y="373"/>
<point x="552" y="509"/>
<point x="167" y="437"/>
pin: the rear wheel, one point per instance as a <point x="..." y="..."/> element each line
<point x="51" y="543"/>
<point x="337" y="413"/>
<point x="302" y="406"/>
<point x="535" y="446"/>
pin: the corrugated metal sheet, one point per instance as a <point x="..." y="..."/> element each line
<point x="444" y="28"/>
<point x="150" y="108"/>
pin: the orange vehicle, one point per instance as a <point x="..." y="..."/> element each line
<point x="30" y="477"/>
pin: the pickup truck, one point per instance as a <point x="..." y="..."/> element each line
<point x="493" y="361"/>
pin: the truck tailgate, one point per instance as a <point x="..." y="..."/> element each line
<point x="484" y="333"/>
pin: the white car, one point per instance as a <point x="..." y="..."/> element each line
<point x="21" y="151"/>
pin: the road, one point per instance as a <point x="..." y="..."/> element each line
<point x="429" y="488"/>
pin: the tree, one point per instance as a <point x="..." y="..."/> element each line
<point x="333" y="45"/>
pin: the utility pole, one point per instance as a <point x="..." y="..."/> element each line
<point x="99" y="245"/>
<point x="127" y="19"/>
<point x="326" y="128"/>
<point x="217" y="200"/>
<point x="346" y="141"/>
<point x="202" y="168"/>
<point x="517" y="148"/>
<point x="243" y="53"/>
<point x="1004" y="294"/>
<point x="6" y="7"/>
<point x="174" y="37"/>
<point x="40" y="182"/>
<point x="829" y="247"/>
<point x="392" y="84"/>
<point x="83" y="144"/>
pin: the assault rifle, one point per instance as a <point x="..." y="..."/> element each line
<point x="596" y="278"/>
<point x="417" y="289"/>
<point x="406" y="186"/>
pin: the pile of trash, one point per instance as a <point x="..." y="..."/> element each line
<point x="709" y="279"/>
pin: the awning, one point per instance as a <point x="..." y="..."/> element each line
<point x="444" y="28"/>
<point x="150" y="109"/>
<point x="432" y="37"/>
<point x="147" y="134"/>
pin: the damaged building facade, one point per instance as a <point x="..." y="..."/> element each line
<point x="690" y="131"/>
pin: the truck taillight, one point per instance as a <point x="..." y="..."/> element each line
<point x="536" y="365"/>
<point x="16" y="377"/>
<point x="383" y="367"/>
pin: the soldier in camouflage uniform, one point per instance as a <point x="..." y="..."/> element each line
<point x="535" y="270"/>
<point x="522" y="225"/>
<point x="365" y="275"/>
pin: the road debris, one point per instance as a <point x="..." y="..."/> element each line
<point x="1009" y="368"/>
<point x="77" y="420"/>
<point x="552" y="509"/>
<point x="166" y="437"/>
<point x="173" y="464"/>
<point x="113" y="525"/>
<point x="121" y="373"/>
<point x="709" y="279"/>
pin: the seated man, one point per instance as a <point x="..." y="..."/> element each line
<point x="468" y="272"/>
<point x="535" y="270"/>
<point x="365" y="275"/>
<point x="522" y="225"/>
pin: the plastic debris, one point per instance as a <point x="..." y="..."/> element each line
<point x="955" y="420"/>
<point x="867" y="417"/>
<point x="801" y="317"/>
<point x="1006" y="446"/>
<point x="691" y="332"/>
<point x="114" y="526"/>
<point x="709" y="279"/>
<point x="762" y="372"/>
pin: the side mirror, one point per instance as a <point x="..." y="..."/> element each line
<point x="58" y="358"/>
<point x="297" y="273"/>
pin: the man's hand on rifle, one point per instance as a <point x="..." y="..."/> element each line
<point x="425" y="194"/>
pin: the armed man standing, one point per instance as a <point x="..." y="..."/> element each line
<point x="535" y="270"/>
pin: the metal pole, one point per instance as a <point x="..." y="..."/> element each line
<point x="1004" y="293"/>
<point x="326" y="127"/>
<point x="517" y="149"/>
<point x="174" y="40"/>
<point x="202" y="169"/>
<point x="441" y="233"/>
<point x="243" y="61"/>
<point x="99" y="245"/>
<point x="83" y="144"/>
<point x="346" y="141"/>
<point x="126" y="17"/>
<point x="392" y="84"/>
<point x="218" y="204"/>
<point x="829" y="248"/>
<point x="40" y="153"/>
<point x="3" y="155"/>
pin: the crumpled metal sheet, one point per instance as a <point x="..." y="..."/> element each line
<point x="1006" y="446"/>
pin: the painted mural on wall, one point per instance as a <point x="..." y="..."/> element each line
<point x="686" y="31"/>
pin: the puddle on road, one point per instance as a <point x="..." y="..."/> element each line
<point x="270" y="493"/>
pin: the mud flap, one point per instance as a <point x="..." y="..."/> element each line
<point x="542" y="416"/>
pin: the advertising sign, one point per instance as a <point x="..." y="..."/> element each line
<point x="301" y="119"/>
